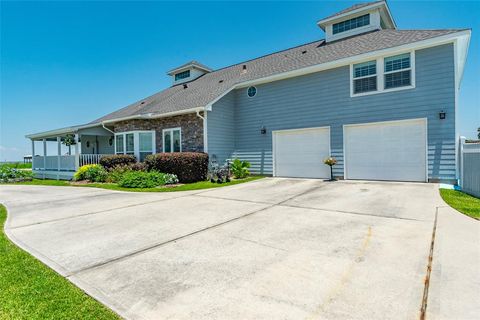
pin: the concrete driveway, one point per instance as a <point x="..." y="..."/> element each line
<point x="269" y="249"/>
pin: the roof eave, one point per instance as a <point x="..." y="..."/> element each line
<point x="187" y="67"/>
<point x="61" y="131"/>
<point x="147" y="116"/>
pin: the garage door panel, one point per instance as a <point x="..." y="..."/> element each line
<point x="300" y="153"/>
<point x="386" y="151"/>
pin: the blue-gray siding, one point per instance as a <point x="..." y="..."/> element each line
<point x="323" y="99"/>
<point x="221" y="139"/>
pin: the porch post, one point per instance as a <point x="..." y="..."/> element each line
<point x="33" y="153"/>
<point x="77" y="155"/>
<point x="58" y="157"/>
<point x="44" y="156"/>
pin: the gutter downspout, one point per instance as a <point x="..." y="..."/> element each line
<point x="205" y="137"/>
<point x="103" y="125"/>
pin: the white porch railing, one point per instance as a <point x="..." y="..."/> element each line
<point x="67" y="163"/>
<point x="50" y="163"/>
<point x="91" y="158"/>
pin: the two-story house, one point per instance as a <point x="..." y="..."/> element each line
<point x="383" y="101"/>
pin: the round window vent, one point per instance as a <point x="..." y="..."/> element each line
<point x="251" y="91"/>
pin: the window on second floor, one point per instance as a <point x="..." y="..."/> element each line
<point x="351" y="24"/>
<point x="383" y="74"/>
<point x="182" y="75"/>
<point x="397" y="71"/>
<point x="365" y="77"/>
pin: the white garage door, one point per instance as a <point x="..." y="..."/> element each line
<point x="393" y="150"/>
<point x="300" y="153"/>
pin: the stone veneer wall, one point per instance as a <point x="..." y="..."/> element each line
<point x="191" y="124"/>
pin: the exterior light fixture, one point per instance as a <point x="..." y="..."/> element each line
<point x="263" y="130"/>
<point x="442" y="115"/>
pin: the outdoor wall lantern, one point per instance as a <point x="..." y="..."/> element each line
<point x="442" y="115"/>
<point x="263" y="130"/>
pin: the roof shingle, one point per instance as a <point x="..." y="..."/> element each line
<point x="202" y="91"/>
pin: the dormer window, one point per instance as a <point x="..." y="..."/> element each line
<point x="357" y="20"/>
<point x="182" y="75"/>
<point x="351" y="24"/>
<point x="188" y="72"/>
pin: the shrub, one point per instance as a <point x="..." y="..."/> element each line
<point x="187" y="166"/>
<point x="115" y="174"/>
<point x="91" y="172"/>
<point x="110" y="162"/>
<point x="239" y="168"/>
<point x="142" y="179"/>
<point x="9" y="174"/>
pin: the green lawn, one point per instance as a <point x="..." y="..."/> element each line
<point x="462" y="202"/>
<point x="31" y="290"/>
<point x="111" y="186"/>
<point x="17" y="165"/>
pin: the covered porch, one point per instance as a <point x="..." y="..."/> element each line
<point x="59" y="153"/>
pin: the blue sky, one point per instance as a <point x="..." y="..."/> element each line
<point x="67" y="63"/>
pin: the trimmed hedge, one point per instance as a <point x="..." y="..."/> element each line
<point x="187" y="166"/>
<point x="110" y="162"/>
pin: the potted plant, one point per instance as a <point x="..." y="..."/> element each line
<point x="69" y="141"/>
<point x="330" y="161"/>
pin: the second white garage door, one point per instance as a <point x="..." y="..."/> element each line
<point x="300" y="153"/>
<point x="394" y="150"/>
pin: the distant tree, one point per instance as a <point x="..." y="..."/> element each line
<point x="478" y="134"/>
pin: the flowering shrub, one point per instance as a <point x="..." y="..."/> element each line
<point x="91" y="172"/>
<point x="8" y="174"/>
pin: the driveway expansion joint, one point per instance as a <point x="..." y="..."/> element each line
<point x="423" y="309"/>
<point x="161" y="244"/>
<point x="96" y="212"/>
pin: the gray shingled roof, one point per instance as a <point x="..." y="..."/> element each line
<point x="203" y="90"/>
<point x="354" y="7"/>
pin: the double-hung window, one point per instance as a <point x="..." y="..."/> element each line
<point x="146" y="142"/>
<point x="365" y="77"/>
<point x="172" y="140"/>
<point x="383" y="74"/>
<point x="137" y="143"/>
<point x="130" y="144"/>
<point x="119" y="147"/>
<point x="398" y="72"/>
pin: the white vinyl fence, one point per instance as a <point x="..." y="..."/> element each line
<point x="470" y="168"/>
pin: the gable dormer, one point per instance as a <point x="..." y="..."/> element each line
<point x="188" y="72"/>
<point x="356" y="20"/>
